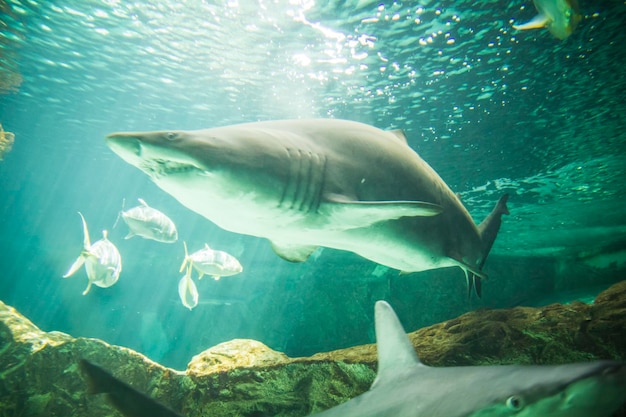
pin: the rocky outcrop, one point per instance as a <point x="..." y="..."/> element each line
<point x="39" y="374"/>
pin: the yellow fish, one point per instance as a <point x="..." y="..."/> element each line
<point x="560" y="17"/>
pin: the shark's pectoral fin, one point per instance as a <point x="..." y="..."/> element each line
<point x="349" y="214"/>
<point x="293" y="253"/>
<point x="537" y="22"/>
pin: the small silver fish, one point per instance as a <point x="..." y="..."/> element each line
<point x="187" y="290"/>
<point x="102" y="260"/>
<point x="560" y="17"/>
<point x="215" y="263"/>
<point x="149" y="223"/>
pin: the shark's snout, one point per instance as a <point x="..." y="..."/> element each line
<point x="124" y="144"/>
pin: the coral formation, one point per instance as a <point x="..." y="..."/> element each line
<point x="39" y="372"/>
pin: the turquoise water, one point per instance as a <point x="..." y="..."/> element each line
<point x="492" y="109"/>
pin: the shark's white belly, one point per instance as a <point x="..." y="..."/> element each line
<point x="379" y="243"/>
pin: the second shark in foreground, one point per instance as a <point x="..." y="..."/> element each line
<point x="404" y="387"/>
<point x="308" y="183"/>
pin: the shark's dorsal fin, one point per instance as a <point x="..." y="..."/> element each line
<point x="142" y="202"/>
<point x="399" y="133"/>
<point x="395" y="351"/>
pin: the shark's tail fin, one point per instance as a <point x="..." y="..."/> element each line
<point x="488" y="231"/>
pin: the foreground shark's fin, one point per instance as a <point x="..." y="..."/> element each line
<point x="293" y="253"/>
<point x="129" y="235"/>
<point x="395" y="351"/>
<point x="356" y="214"/>
<point x="142" y="202"/>
<point x="126" y="399"/>
<point x="537" y="22"/>
<point x="399" y="133"/>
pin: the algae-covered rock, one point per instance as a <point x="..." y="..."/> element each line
<point x="39" y="375"/>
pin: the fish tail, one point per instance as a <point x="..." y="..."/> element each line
<point x="75" y="266"/>
<point x="86" y="241"/>
<point x="88" y="288"/>
<point x="186" y="258"/>
<point x="119" y="213"/>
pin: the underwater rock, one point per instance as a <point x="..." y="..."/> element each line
<point x="39" y="372"/>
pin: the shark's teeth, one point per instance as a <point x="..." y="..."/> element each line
<point x="159" y="168"/>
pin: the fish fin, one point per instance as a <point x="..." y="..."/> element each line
<point x="142" y="202"/>
<point x="399" y="133"/>
<point x="88" y="287"/>
<point x="206" y="246"/>
<point x="216" y="277"/>
<point x="537" y="22"/>
<point x="293" y="253"/>
<point x="395" y="351"/>
<point x="129" y="235"/>
<point x="187" y="259"/>
<point x="75" y="266"/>
<point x="354" y="214"/>
<point x="200" y="274"/>
<point x="86" y="242"/>
<point x="188" y="291"/>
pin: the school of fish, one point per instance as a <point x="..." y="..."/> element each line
<point x="103" y="262"/>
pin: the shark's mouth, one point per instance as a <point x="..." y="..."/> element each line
<point x="160" y="168"/>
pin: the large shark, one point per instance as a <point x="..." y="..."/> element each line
<point x="405" y="387"/>
<point x="308" y="183"/>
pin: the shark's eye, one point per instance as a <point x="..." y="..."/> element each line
<point x="514" y="403"/>
<point x="171" y="136"/>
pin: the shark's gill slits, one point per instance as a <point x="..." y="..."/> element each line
<point x="311" y="199"/>
<point x="291" y="183"/>
<point x="303" y="187"/>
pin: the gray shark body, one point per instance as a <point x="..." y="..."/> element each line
<point x="404" y="387"/>
<point x="308" y="183"/>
